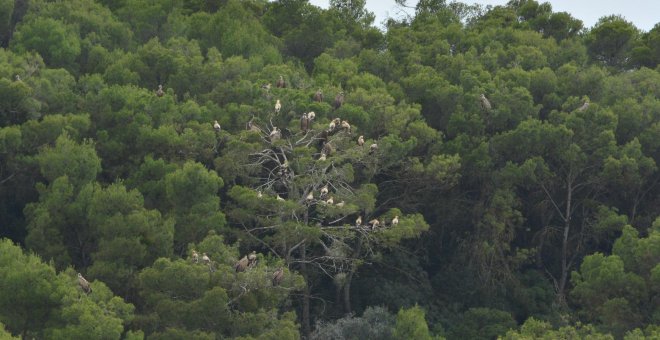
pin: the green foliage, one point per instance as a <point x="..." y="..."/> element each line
<point x="212" y="298"/>
<point x="7" y="9"/>
<point x="410" y="324"/>
<point x="508" y="171"/>
<point x="54" y="40"/>
<point x="617" y="290"/>
<point x="192" y="196"/>
<point x="610" y="40"/>
<point x="78" y="162"/>
<point x="44" y="303"/>
<point x="536" y="329"/>
<point x="483" y="323"/>
<point x="375" y="323"/>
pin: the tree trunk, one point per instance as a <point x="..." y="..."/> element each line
<point x="349" y="279"/>
<point x="347" y="292"/>
<point x="563" y="279"/>
<point x="306" y="328"/>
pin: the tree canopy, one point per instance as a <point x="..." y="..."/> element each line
<point x="274" y="170"/>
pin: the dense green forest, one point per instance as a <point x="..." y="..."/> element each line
<point x="214" y="169"/>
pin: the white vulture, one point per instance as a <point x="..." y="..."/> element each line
<point x="280" y="82"/>
<point x="17" y="77"/>
<point x="251" y="126"/>
<point x="330" y="201"/>
<point x="345" y="125"/>
<point x="275" y="134"/>
<point x="252" y="259"/>
<point x="318" y="96"/>
<point x="358" y="221"/>
<point x="485" y="103"/>
<point x="373" y="148"/>
<point x="327" y="149"/>
<point x="584" y="106"/>
<point x="84" y="284"/>
<point x="340" y="204"/>
<point x="304" y="123"/>
<point x="205" y="259"/>
<point x="216" y="126"/>
<point x="374" y="223"/>
<point x="310" y="196"/>
<point x="160" y="91"/>
<point x="311" y="115"/>
<point x="278" y="275"/>
<point x="339" y="100"/>
<point x="360" y="141"/>
<point x="278" y="106"/>
<point x="241" y="264"/>
<point x="332" y="125"/>
<point x="195" y="256"/>
<point x="279" y="198"/>
<point x="259" y="194"/>
<point x="322" y="157"/>
<point x="324" y="190"/>
<point x="395" y="220"/>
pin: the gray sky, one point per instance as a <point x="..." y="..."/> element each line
<point x="643" y="13"/>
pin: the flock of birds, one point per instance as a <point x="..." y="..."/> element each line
<point x="245" y="263"/>
<point x="334" y="126"/>
<point x="250" y="260"/>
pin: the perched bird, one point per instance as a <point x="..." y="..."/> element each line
<point x="324" y="190"/>
<point x="259" y="194"/>
<point x="374" y="223"/>
<point x="322" y="157"/>
<point x="275" y="134"/>
<point x="345" y="125"/>
<point x="360" y="141"/>
<point x="318" y="96"/>
<point x="395" y="220"/>
<point x="216" y="126"/>
<point x="266" y="87"/>
<point x="584" y="106"/>
<point x="84" y="284"/>
<point x="340" y="204"/>
<point x="485" y="103"/>
<point x="241" y="264"/>
<point x="205" y="259"/>
<point x="281" y="83"/>
<point x="278" y="106"/>
<point x="311" y="115"/>
<point x="358" y="221"/>
<point x="252" y="127"/>
<point x="195" y="256"/>
<point x="278" y="275"/>
<point x="322" y="137"/>
<point x="304" y="123"/>
<point x="330" y="200"/>
<point x="17" y="77"/>
<point x="252" y="259"/>
<point x="339" y="100"/>
<point x="332" y="125"/>
<point x="310" y="196"/>
<point x="373" y="148"/>
<point x="160" y="92"/>
<point x="327" y="149"/>
<point x="279" y="198"/>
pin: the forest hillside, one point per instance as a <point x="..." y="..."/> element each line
<point x="226" y="169"/>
